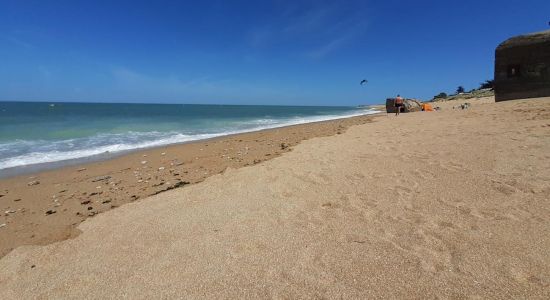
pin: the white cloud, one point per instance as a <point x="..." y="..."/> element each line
<point x="315" y="29"/>
<point x="141" y="87"/>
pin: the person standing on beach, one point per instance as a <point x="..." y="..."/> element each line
<point x="398" y="105"/>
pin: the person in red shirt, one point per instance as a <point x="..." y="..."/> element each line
<point x="398" y="105"/>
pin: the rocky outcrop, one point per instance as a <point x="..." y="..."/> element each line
<point x="410" y="105"/>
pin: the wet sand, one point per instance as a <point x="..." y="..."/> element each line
<point x="450" y="204"/>
<point x="42" y="208"/>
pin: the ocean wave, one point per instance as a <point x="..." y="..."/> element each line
<point x="23" y="152"/>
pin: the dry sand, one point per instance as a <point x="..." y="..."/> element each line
<point x="450" y="204"/>
<point x="51" y="210"/>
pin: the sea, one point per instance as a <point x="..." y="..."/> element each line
<point x="39" y="135"/>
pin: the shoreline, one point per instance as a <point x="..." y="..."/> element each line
<point x="58" y="164"/>
<point x="46" y="206"/>
<point x="448" y="204"/>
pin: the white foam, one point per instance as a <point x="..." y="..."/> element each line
<point x="50" y="150"/>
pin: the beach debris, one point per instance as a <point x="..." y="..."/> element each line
<point x="161" y="168"/>
<point x="3" y="225"/>
<point x="106" y="201"/>
<point x="90" y="208"/>
<point x="96" y="193"/>
<point x="34" y="182"/>
<point x="81" y="169"/>
<point x="17" y="200"/>
<point x="163" y="153"/>
<point x="284" y="146"/>
<point x="85" y="202"/>
<point x="144" y="155"/>
<point x="143" y="162"/>
<point x="101" y="178"/>
<point x="98" y="187"/>
<point x="51" y="211"/>
<point x="176" y="185"/>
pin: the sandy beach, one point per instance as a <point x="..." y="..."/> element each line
<point x="42" y="208"/>
<point x="448" y="204"/>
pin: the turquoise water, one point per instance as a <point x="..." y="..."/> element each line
<point x="38" y="132"/>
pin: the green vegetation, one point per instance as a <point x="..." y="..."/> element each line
<point x="488" y="84"/>
<point x="441" y="95"/>
<point x="485" y="90"/>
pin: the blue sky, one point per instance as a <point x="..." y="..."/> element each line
<point x="252" y="52"/>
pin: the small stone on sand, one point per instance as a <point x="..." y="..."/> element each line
<point x="101" y="178"/>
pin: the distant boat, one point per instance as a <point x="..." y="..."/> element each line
<point x="52" y="105"/>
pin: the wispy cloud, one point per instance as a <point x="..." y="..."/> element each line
<point x="143" y="86"/>
<point x="308" y="21"/>
<point x="328" y="48"/>
<point x="315" y="29"/>
<point x="45" y="72"/>
<point x="19" y="42"/>
<point x="129" y="78"/>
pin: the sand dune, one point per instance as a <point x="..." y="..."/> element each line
<point x="447" y="204"/>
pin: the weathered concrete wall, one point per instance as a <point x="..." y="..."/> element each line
<point x="522" y="67"/>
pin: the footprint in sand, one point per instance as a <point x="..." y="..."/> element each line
<point x="454" y="166"/>
<point x="444" y="224"/>
<point x="326" y="205"/>
<point x="356" y="238"/>
<point x="370" y="202"/>
<point x="503" y="187"/>
<point x="424" y="174"/>
<point x="355" y="177"/>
